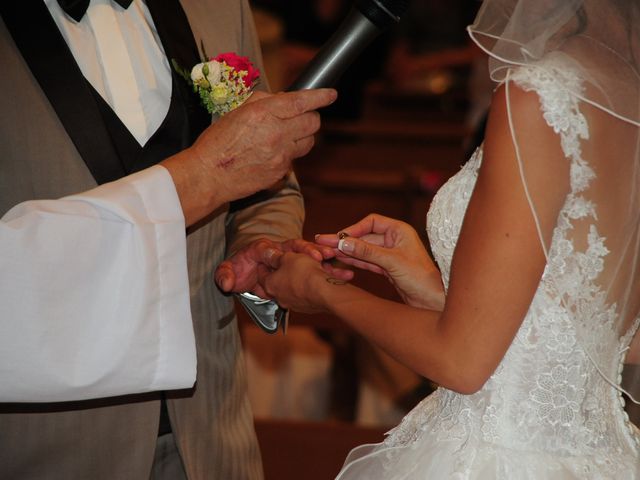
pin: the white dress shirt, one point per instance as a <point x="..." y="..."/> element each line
<point x="120" y="54"/>
<point x="94" y="293"/>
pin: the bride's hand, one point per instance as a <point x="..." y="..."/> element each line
<point x="393" y="248"/>
<point x="291" y="279"/>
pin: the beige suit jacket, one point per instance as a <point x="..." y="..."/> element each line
<point x="115" y="438"/>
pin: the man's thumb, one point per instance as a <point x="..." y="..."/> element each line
<point x="225" y="279"/>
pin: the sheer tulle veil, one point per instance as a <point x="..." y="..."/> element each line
<point x="600" y="40"/>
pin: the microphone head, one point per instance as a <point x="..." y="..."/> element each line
<point x="382" y="13"/>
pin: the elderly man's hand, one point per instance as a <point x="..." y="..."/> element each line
<point x="239" y="273"/>
<point x="247" y="150"/>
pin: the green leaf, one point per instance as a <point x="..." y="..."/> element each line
<point x="181" y="71"/>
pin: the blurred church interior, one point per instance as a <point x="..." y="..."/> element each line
<point x="410" y="111"/>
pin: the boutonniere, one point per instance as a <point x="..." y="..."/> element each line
<point x="223" y="83"/>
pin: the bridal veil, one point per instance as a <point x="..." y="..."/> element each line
<point x="598" y="40"/>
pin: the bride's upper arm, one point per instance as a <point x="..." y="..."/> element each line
<point x="499" y="258"/>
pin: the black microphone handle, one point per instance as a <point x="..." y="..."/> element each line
<point x="353" y="35"/>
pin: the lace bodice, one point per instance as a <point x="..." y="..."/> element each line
<point x="547" y="394"/>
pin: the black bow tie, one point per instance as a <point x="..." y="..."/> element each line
<point x="76" y="8"/>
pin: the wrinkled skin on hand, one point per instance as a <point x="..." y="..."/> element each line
<point x="252" y="147"/>
<point x="247" y="150"/>
<point x="240" y="273"/>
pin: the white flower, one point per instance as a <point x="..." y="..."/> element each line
<point x="213" y="72"/>
<point x="220" y="86"/>
<point x="196" y="73"/>
<point x="209" y="71"/>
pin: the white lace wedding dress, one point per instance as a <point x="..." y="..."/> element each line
<point x="546" y="412"/>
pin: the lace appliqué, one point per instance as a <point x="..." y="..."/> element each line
<point x="557" y="397"/>
<point x="585" y="336"/>
<point x="444" y="218"/>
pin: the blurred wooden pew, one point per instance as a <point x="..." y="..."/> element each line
<point x="294" y="450"/>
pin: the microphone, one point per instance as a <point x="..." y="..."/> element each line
<point x="366" y="20"/>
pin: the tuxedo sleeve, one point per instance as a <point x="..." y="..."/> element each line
<point x="94" y="297"/>
<point x="277" y="214"/>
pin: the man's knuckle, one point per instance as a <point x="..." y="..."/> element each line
<point x="262" y="243"/>
<point x="313" y="121"/>
<point x="306" y="145"/>
<point x="299" y="105"/>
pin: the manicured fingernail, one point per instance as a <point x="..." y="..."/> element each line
<point x="345" y="245"/>
<point x="316" y="236"/>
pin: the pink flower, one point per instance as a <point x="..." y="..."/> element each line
<point x="239" y="64"/>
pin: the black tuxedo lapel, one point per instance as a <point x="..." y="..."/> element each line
<point x="174" y="31"/>
<point x="179" y="44"/>
<point x="185" y="119"/>
<point x="52" y="64"/>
